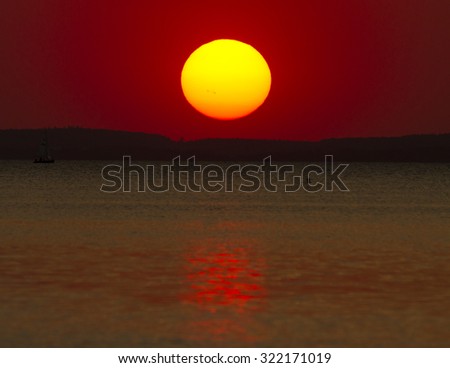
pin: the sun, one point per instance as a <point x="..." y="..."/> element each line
<point x="226" y="79"/>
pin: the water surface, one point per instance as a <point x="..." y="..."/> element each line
<point x="81" y="268"/>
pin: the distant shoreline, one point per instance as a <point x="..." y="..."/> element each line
<point x="75" y="143"/>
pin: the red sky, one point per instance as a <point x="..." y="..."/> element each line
<point x="339" y="68"/>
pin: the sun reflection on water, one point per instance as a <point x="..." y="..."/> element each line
<point x="226" y="287"/>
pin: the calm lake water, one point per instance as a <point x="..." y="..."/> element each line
<point x="81" y="268"/>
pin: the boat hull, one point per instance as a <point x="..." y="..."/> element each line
<point x="38" y="161"/>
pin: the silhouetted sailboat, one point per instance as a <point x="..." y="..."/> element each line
<point x="44" y="153"/>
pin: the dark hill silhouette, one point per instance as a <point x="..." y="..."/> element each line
<point x="96" y="144"/>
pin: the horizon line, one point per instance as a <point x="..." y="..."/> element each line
<point x="181" y="139"/>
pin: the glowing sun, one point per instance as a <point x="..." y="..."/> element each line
<point x="226" y="79"/>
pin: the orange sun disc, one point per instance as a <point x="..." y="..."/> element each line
<point x="226" y="79"/>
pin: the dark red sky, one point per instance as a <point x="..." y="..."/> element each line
<point x="339" y="68"/>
